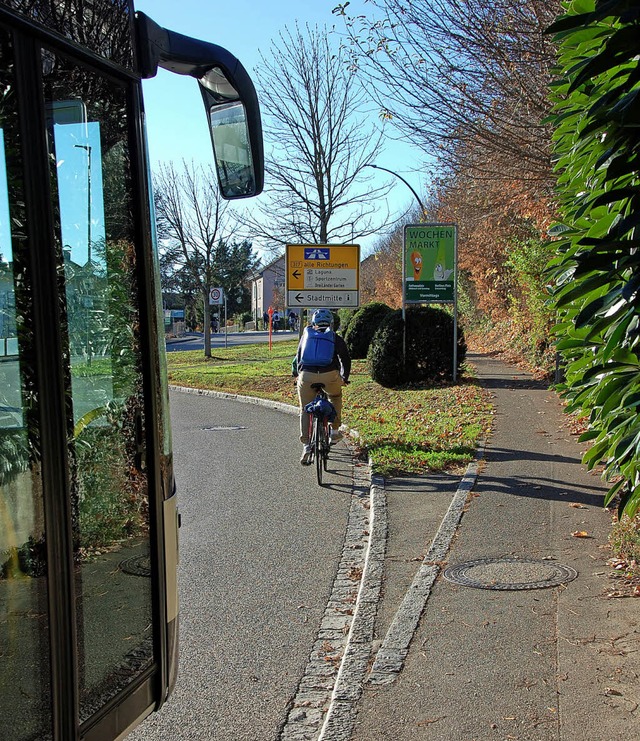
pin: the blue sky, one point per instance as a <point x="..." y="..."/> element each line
<point x="176" y="123"/>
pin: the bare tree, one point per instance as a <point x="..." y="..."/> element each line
<point x="318" y="146"/>
<point x="200" y="226"/>
<point x="466" y="81"/>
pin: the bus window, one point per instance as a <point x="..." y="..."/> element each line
<point x="93" y="208"/>
<point x="24" y="640"/>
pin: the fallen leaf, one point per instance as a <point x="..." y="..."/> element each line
<point x="580" y="534"/>
<point x="575" y="505"/>
<point x="611" y="691"/>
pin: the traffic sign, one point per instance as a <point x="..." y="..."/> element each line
<point x="216" y="296"/>
<point x="430" y="261"/>
<point x="323" y="275"/>
<point x="328" y="299"/>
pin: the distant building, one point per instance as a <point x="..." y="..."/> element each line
<point x="267" y="289"/>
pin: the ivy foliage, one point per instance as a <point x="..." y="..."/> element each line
<point x="596" y="272"/>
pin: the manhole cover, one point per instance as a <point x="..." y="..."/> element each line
<point x="138" y="566"/>
<point x="509" y="574"/>
<point x="224" y="429"/>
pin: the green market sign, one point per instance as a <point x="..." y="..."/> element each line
<point x="429" y="260"/>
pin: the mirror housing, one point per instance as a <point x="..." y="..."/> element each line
<point x="229" y="96"/>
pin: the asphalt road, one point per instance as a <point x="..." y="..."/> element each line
<point x="196" y="341"/>
<point x="259" y="547"/>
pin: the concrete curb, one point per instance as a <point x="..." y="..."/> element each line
<point x="341" y="714"/>
<point x="269" y="403"/>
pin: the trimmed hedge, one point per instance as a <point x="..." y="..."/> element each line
<point x="345" y="316"/>
<point x="429" y="348"/>
<point x="363" y="326"/>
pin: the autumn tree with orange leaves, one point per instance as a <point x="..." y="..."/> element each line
<point x="468" y="84"/>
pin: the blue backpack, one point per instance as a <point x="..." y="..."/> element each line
<point x="317" y="347"/>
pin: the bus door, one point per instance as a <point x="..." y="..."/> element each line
<point x="88" y="519"/>
<point x="76" y="590"/>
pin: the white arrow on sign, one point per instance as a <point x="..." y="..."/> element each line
<point x="330" y="299"/>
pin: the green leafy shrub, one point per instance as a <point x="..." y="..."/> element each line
<point x="345" y="316"/>
<point x="597" y="271"/>
<point x="429" y="347"/>
<point x="245" y="318"/>
<point x="363" y="326"/>
<point x="530" y="307"/>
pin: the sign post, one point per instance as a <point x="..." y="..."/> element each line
<point x="430" y="270"/>
<point x="324" y="275"/>
<point x="217" y="297"/>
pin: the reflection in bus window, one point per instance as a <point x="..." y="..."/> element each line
<point x="93" y="209"/>
<point x="24" y="640"/>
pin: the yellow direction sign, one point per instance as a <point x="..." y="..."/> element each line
<point x="323" y="274"/>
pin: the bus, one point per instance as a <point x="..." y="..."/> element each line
<point x="88" y="509"/>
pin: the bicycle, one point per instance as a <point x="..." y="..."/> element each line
<point x="321" y="411"/>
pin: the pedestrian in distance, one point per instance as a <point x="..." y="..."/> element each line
<point x="265" y="321"/>
<point x="322" y="357"/>
<point x="275" y="320"/>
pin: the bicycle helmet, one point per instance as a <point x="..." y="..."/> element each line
<point x="322" y="318"/>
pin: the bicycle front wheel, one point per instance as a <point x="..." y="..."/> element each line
<point x="318" y="447"/>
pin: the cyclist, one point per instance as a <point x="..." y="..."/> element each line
<point x="322" y="357"/>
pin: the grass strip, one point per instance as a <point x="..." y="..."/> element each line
<point x="405" y="431"/>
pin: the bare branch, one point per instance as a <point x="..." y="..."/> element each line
<point x="317" y="191"/>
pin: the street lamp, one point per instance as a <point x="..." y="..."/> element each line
<point x="88" y="301"/>
<point x="87" y="148"/>
<point x="395" y="174"/>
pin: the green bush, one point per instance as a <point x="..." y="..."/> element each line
<point x="429" y="348"/>
<point x="345" y="316"/>
<point x="363" y="326"/>
<point x="245" y="318"/>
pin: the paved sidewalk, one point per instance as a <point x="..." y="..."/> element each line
<point x="554" y="664"/>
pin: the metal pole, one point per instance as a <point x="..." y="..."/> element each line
<point x="455" y="305"/>
<point x="87" y="148"/>
<point x="455" y="341"/>
<point x="404" y="312"/>
<point x="226" y="329"/>
<point x="395" y="174"/>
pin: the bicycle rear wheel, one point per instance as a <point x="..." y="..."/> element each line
<point x="318" y="447"/>
<point x="326" y="446"/>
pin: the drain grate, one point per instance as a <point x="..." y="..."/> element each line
<point x="137" y="566"/>
<point x="509" y="574"/>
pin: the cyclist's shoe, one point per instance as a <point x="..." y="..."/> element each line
<point x="336" y="436"/>
<point x="305" y="459"/>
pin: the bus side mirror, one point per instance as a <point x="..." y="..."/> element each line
<point x="231" y="103"/>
